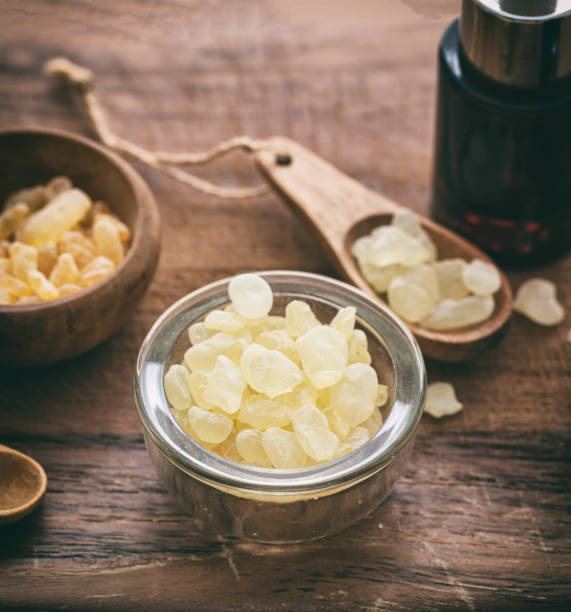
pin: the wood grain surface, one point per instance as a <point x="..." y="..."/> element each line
<point x="480" y="521"/>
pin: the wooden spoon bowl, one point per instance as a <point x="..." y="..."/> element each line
<point x="340" y="210"/>
<point x="47" y="332"/>
<point x="23" y="483"/>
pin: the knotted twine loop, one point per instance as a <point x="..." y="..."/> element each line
<point x="166" y="162"/>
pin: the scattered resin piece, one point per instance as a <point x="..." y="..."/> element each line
<point x="313" y="434"/>
<point x="536" y="298"/>
<point x="409" y="301"/>
<point x="481" y="278"/>
<point x="269" y="372"/>
<point x="283" y="449"/>
<point x="224" y="385"/>
<point x="354" y="397"/>
<point x="453" y="314"/>
<point x="209" y="426"/>
<point x="299" y="318"/>
<point x="273" y="391"/>
<point x="323" y="352"/>
<point x="176" y="387"/>
<point x="441" y="400"/>
<point x="250" y="295"/>
<point x="450" y="273"/>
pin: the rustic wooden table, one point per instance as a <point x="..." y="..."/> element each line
<point x="481" y="518"/>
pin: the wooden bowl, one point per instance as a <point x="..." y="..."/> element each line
<point x="52" y="331"/>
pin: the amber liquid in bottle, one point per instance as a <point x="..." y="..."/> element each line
<point x="502" y="164"/>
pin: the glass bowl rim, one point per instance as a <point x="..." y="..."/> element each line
<point x="378" y="452"/>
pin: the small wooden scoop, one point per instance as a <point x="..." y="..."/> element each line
<point x="340" y="210"/>
<point x="23" y="483"/>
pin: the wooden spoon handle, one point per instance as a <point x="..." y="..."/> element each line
<point x="330" y="200"/>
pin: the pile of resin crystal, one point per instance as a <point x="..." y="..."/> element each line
<point x="275" y="391"/>
<point x="401" y="260"/>
<point x="54" y="241"/>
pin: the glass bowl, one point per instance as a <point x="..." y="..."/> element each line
<point x="266" y="505"/>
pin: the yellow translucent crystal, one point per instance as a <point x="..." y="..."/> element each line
<point x="24" y="257"/>
<point x="12" y="218"/>
<point x="106" y="238"/>
<point x="79" y="245"/>
<point x="97" y="269"/>
<point x="57" y="217"/>
<point x="353" y="398"/>
<point x="15" y="286"/>
<point x="299" y="318"/>
<point x="210" y="427"/>
<point x="41" y="285"/>
<point x="269" y="371"/>
<point x="177" y="388"/>
<point x="65" y="271"/>
<point x="313" y="434"/>
<point x="323" y="352"/>
<point x="47" y="257"/>
<point x="224" y="385"/>
<point x="283" y="449"/>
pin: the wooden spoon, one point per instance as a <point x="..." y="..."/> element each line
<point x="340" y="210"/>
<point x="23" y="483"/>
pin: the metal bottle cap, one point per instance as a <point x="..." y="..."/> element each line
<point x="524" y="43"/>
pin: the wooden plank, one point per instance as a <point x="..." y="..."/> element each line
<point x="481" y="518"/>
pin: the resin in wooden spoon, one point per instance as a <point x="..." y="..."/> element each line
<point x="341" y="210"/>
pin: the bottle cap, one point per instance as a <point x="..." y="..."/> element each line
<point x="524" y="43"/>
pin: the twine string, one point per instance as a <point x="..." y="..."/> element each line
<point x="165" y="161"/>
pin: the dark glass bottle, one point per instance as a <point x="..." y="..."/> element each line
<point x="502" y="165"/>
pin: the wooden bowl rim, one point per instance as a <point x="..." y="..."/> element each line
<point x="144" y="201"/>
